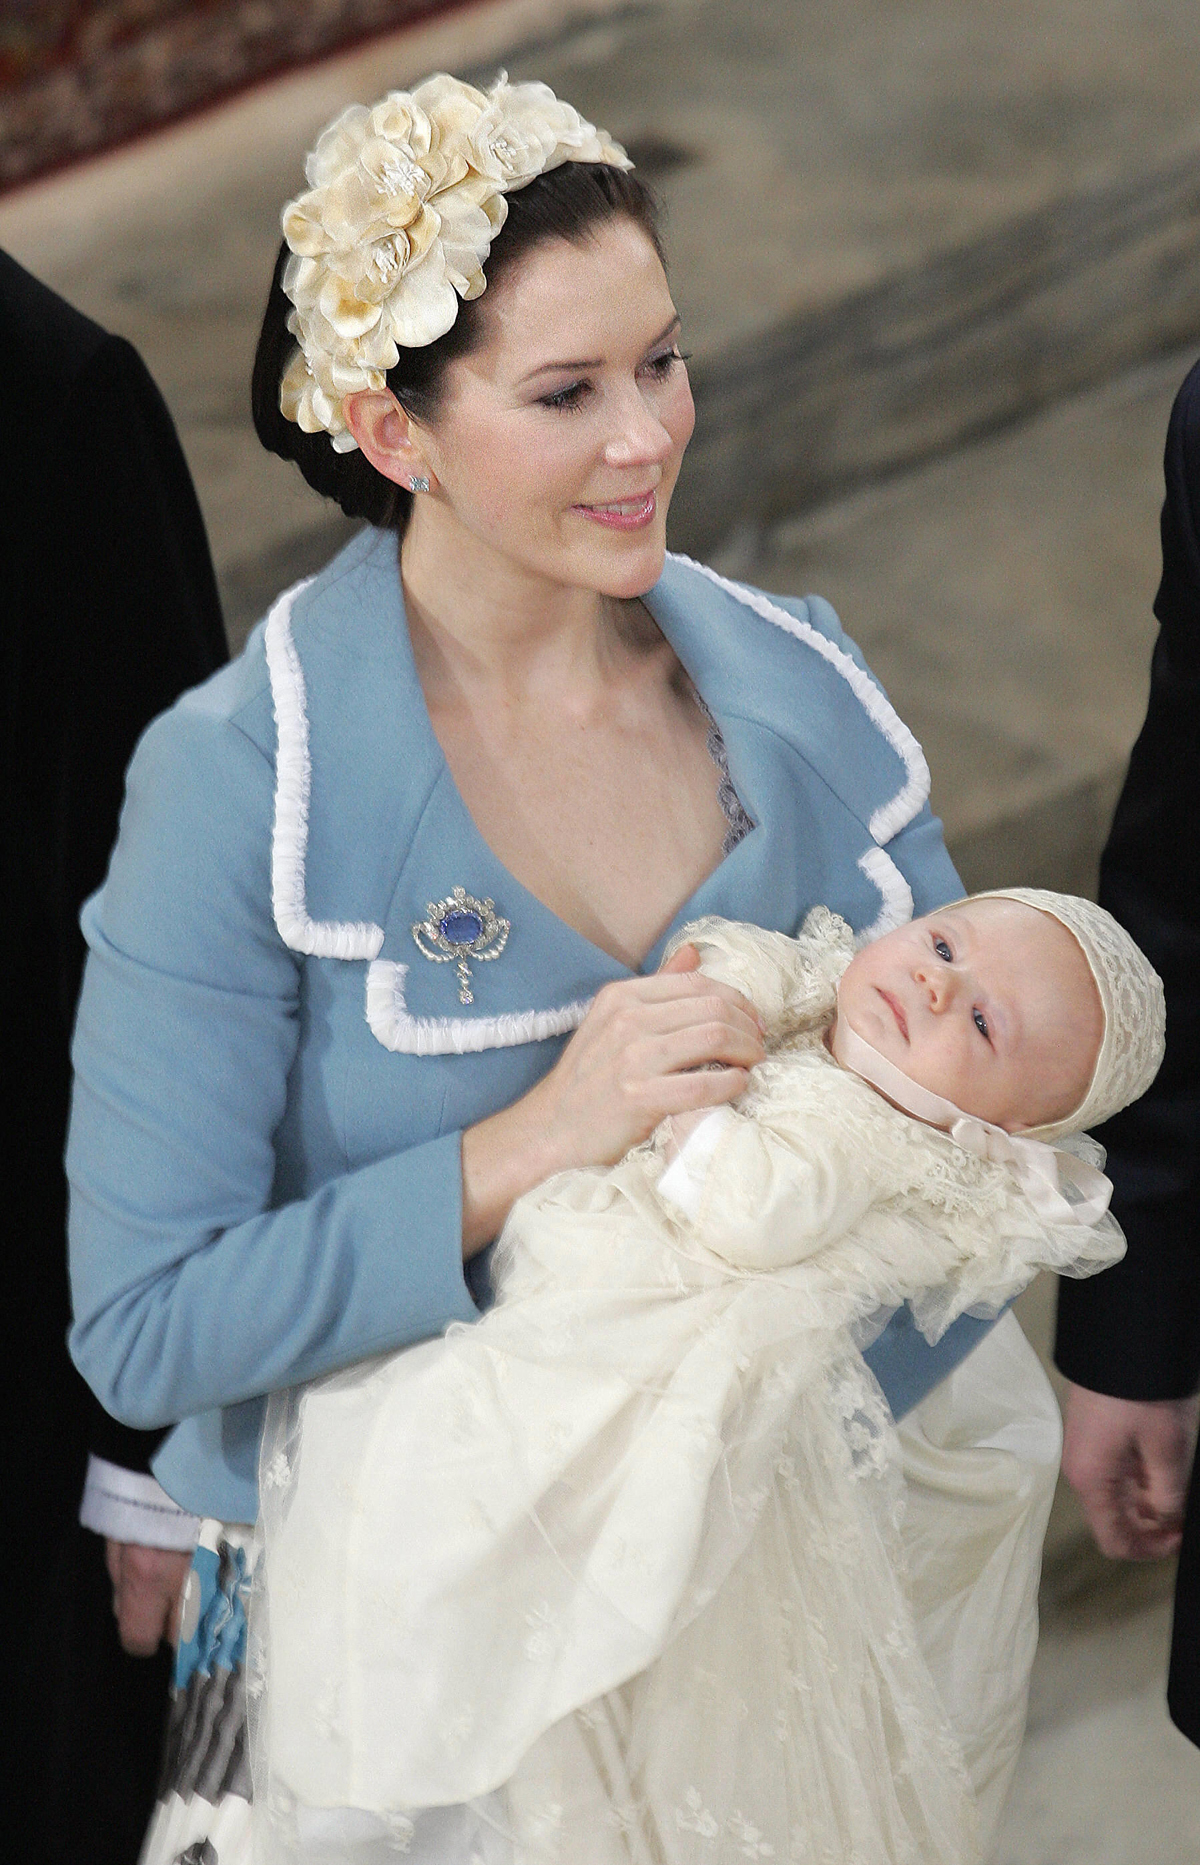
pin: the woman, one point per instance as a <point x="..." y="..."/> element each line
<point x="447" y="809"/>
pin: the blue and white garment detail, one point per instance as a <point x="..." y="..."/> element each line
<point x="202" y="1815"/>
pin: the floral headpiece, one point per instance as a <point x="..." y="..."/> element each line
<point x="404" y="202"/>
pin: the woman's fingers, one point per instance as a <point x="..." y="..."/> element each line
<point x="147" y="1590"/>
<point x="691" y="994"/>
<point x="648" y="1047"/>
<point x="649" y="1028"/>
<point x="716" y="1018"/>
<point x="702" y="1088"/>
<point x="696" y="1046"/>
<point x="622" y="1080"/>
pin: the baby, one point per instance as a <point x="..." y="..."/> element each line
<point x="991" y="1005"/>
<point x="614" y="1577"/>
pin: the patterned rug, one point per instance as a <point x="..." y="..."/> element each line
<point x="77" y="76"/>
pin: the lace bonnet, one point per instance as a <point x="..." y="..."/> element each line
<point x="1131" y="997"/>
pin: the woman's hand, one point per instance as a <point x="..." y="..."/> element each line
<point x="648" y="1047"/>
<point x="147" y="1586"/>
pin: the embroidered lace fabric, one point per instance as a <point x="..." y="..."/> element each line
<point x="732" y="808"/>
<point x="618" y="1569"/>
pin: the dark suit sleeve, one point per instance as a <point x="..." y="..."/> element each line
<point x="142" y="584"/>
<point x="153" y="628"/>
<point x="1134" y="1331"/>
<point x="112" y="610"/>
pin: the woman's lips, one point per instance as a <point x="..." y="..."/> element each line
<point x="894" y="1007"/>
<point x="623" y="514"/>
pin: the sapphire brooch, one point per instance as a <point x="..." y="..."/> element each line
<point x="459" y="929"/>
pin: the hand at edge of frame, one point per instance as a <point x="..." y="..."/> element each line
<point x="1128" y="1461"/>
<point x="148" y="1588"/>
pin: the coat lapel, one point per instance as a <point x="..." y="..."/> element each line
<point x="343" y="677"/>
<point x="816" y="753"/>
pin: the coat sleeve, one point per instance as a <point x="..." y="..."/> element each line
<point x="194" y="1287"/>
<point x="1134" y="1331"/>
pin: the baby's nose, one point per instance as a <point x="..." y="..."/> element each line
<point x="939" y="982"/>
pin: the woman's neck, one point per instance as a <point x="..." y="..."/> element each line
<point x="573" y="739"/>
<point x="480" y="621"/>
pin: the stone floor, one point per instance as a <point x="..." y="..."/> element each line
<point x="1003" y="595"/>
<point x="850" y="190"/>
<point x="882" y="220"/>
<point x="1103" y="1778"/>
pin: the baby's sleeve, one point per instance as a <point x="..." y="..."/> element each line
<point x="767" y="967"/>
<point x="762" y="1196"/>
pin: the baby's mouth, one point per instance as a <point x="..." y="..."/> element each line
<point x="894" y="1006"/>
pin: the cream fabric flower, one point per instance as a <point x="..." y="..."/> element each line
<point x="526" y="129"/>
<point x="403" y="203"/>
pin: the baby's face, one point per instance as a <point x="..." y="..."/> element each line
<point x="988" y="1003"/>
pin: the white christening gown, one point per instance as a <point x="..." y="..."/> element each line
<point x="637" y="1569"/>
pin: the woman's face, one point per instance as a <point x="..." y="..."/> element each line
<point x="559" y="439"/>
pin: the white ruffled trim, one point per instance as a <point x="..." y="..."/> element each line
<point x="387" y="1013"/>
<point x="293" y="786"/>
<point x="890" y="817"/>
<point x="888" y="820"/>
<point x="397" y="1029"/>
<point x="898" y="903"/>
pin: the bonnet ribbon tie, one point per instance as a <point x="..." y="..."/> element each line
<point x="1060" y="1187"/>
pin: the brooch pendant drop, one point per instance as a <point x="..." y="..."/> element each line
<point x="459" y="929"/>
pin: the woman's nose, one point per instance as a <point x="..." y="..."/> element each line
<point x="640" y="439"/>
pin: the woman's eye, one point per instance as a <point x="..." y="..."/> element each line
<point x="661" y="366"/>
<point x="981" y="1024"/>
<point x="943" y="950"/>
<point x="563" y="400"/>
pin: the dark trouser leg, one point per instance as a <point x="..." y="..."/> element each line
<point x="92" y="1718"/>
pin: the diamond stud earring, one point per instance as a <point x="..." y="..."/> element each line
<point x="418" y="484"/>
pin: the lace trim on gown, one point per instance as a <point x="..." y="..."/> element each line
<point x="736" y="815"/>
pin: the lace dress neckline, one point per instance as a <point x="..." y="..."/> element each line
<point x="732" y="808"/>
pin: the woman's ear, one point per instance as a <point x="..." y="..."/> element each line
<point x="387" y="437"/>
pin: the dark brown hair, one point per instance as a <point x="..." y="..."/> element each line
<point x="567" y="203"/>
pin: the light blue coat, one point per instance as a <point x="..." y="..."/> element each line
<point x="272" y="1081"/>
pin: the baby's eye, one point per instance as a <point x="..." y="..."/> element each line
<point x="981" y="1024"/>
<point x="943" y="950"/>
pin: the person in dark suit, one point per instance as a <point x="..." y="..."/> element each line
<point x="1129" y="1340"/>
<point x="111" y="609"/>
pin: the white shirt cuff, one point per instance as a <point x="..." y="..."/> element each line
<point x="127" y="1505"/>
<point x="683" y="1181"/>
